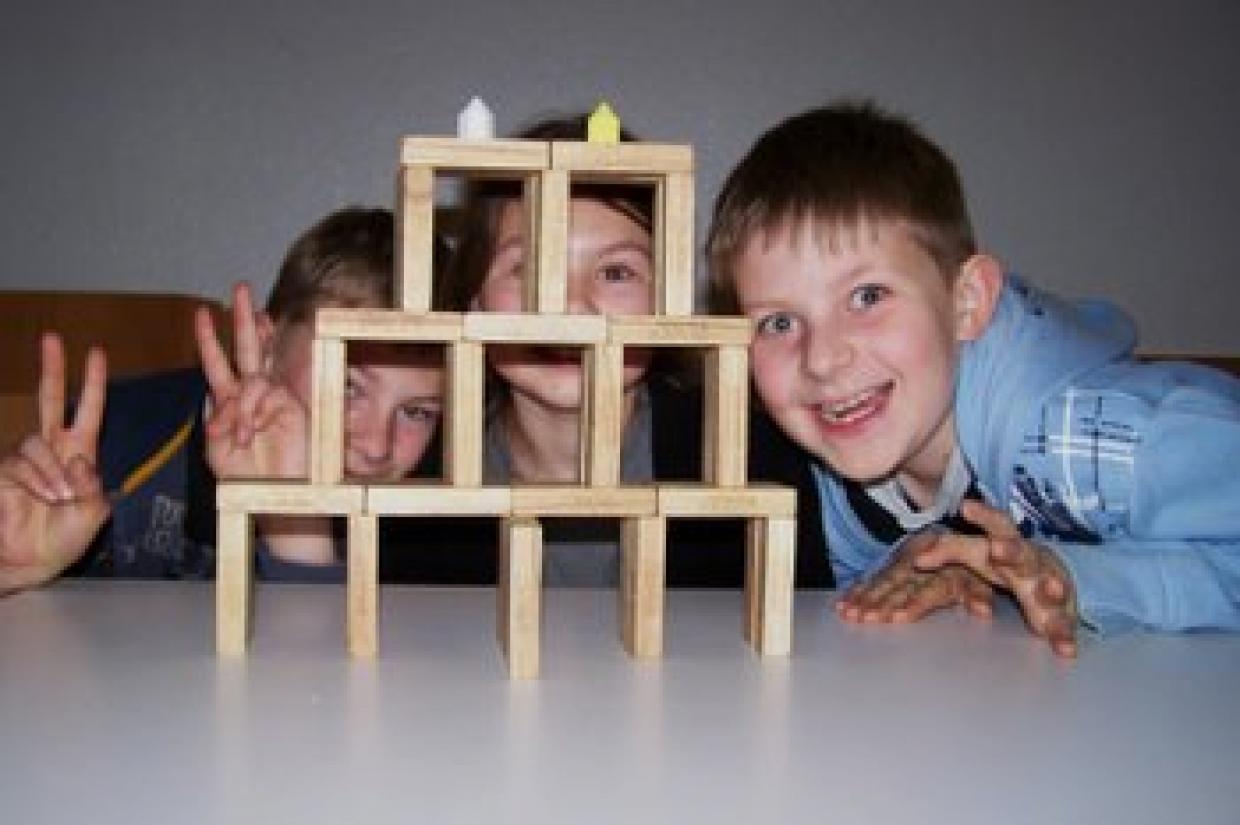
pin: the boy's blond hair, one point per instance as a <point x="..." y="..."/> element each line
<point x="346" y="259"/>
<point x="841" y="166"/>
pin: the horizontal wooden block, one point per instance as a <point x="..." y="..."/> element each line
<point x="434" y="500"/>
<point x="518" y="327"/>
<point x="690" y="331"/>
<point x="388" y="325"/>
<point x="706" y="501"/>
<point x="603" y="502"/>
<point x="468" y="155"/>
<point x="289" y="497"/>
<point x="645" y="161"/>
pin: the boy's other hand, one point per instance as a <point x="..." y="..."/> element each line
<point x="1007" y="560"/>
<point x="52" y="502"/>
<point x="902" y="593"/>
<point x="256" y="428"/>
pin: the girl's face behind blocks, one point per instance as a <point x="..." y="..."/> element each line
<point x="610" y="272"/>
<point x="857" y="332"/>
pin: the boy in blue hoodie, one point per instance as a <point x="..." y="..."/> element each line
<point x="971" y="432"/>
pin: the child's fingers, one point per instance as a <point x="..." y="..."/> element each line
<point x="927" y="595"/>
<point x="245" y="331"/>
<point x="852" y="603"/>
<point x="17" y="472"/>
<point x="994" y="522"/>
<point x="214" y="359"/>
<point x="1018" y="558"/>
<point x="972" y="552"/>
<point x="41" y="470"/>
<point x="88" y="418"/>
<point x="83" y="478"/>
<point x="253" y="392"/>
<point x="51" y="393"/>
<point x="1060" y="633"/>
<point x="277" y="405"/>
<point x="223" y="418"/>
<point x="976" y="595"/>
<point x="1053" y="590"/>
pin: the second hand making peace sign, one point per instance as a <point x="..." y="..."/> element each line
<point x="256" y="428"/>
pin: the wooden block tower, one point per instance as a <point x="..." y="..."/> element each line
<point x="547" y="170"/>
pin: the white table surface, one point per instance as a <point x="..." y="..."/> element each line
<point x="114" y="708"/>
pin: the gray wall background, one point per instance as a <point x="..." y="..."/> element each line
<point x="165" y="144"/>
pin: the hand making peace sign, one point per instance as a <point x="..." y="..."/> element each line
<point x="52" y="503"/>
<point x="256" y="427"/>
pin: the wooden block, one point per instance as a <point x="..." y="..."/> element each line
<point x="462" y="434"/>
<point x="363" y="586"/>
<point x="531" y="190"/>
<point x="519" y="596"/>
<point x="573" y="501"/>
<point x="726" y="426"/>
<point x="289" y="498"/>
<point x="549" y="329"/>
<point x="451" y="153"/>
<point x="771" y="631"/>
<point x="327" y="411"/>
<point x="693" y="331"/>
<point x="755" y="566"/>
<point x="603" y="416"/>
<point x="549" y="226"/>
<point x="674" y="249"/>
<point x="432" y="500"/>
<point x="233" y="583"/>
<point x="709" y="501"/>
<point x="621" y="162"/>
<point x="643" y="542"/>
<point x="388" y="325"/>
<point x="415" y="245"/>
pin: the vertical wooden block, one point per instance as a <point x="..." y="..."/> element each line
<point x="726" y="413"/>
<point x="532" y="195"/>
<point x="770" y="571"/>
<point x="519" y="598"/>
<point x="327" y="411"/>
<point x="551" y="231"/>
<point x="755" y="566"/>
<point x="463" y="425"/>
<point x="603" y="416"/>
<point x="415" y="227"/>
<point x="643" y="544"/>
<point x="363" y="585"/>
<point x="233" y="582"/>
<point x="674" y="240"/>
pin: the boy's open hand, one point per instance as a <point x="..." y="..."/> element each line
<point x="902" y="593"/>
<point x="1009" y="561"/>
<point x="257" y="428"/>
<point x="51" y="499"/>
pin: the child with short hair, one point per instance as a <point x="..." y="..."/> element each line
<point x="971" y="431"/>
<point x="69" y="496"/>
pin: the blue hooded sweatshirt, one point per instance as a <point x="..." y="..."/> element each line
<point x="1129" y="472"/>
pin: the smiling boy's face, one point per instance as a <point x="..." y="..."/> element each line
<point x="856" y="339"/>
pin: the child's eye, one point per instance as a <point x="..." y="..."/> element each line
<point x="619" y="273"/>
<point x="420" y="411"/>
<point x="866" y="296"/>
<point x="777" y="323"/>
